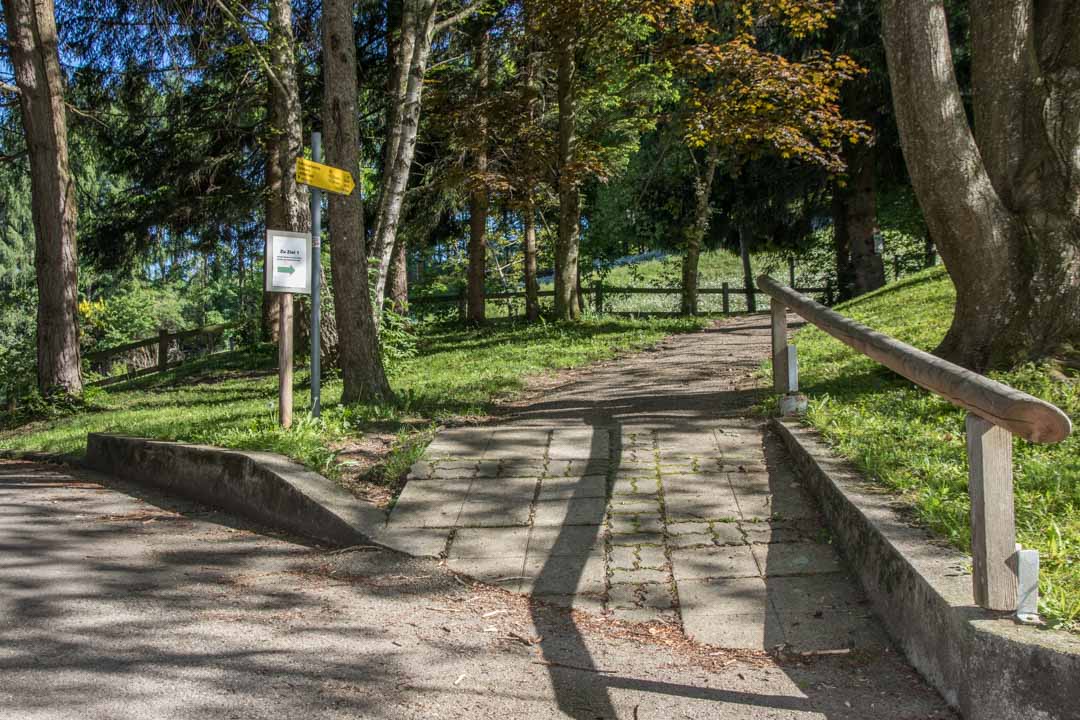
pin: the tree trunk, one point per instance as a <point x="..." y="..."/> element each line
<point x="287" y="206"/>
<point x="478" y="197"/>
<point x="748" y="272"/>
<point x="567" y="244"/>
<point x="1000" y="205"/>
<point x="695" y="234"/>
<point x="271" y="308"/>
<point x="414" y="49"/>
<point x="399" y="280"/>
<point x="845" y="278"/>
<point x="32" y="48"/>
<point x="531" y="94"/>
<point x="532" y="287"/>
<point x="362" y="372"/>
<point x="855" y="215"/>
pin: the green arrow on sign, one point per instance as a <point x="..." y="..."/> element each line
<point x="288" y="269"/>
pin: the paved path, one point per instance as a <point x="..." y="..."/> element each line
<point x="120" y="604"/>
<point x="641" y="489"/>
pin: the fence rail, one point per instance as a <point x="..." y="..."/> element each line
<point x="599" y="292"/>
<point x="166" y="344"/>
<point x="163" y="344"/>
<point x="1005" y="577"/>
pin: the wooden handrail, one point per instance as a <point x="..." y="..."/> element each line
<point x="1006" y="407"/>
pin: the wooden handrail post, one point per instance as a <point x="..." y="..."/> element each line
<point x="727" y="301"/>
<point x="779" y="346"/>
<point x="993" y="524"/>
<point x="599" y="290"/>
<point x="163" y="349"/>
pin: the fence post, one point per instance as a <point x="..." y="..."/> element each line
<point x="462" y="305"/>
<point x="993" y="524"/>
<point x="828" y="293"/>
<point x="726" y="299"/>
<point x="599" y="290"/>
<point x="779" y="346"/>
<point x="162" y="349"/>
<point x="791" y="270"/>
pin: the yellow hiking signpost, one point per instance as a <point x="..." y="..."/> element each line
<point x="328" y="178"/>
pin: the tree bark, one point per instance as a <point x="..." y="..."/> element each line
<point x="414" y="49"/>
<point x="287" y="206"/>
<point x="1001" y="204"/>
<point x="845" y="278"/>
<point x="855" y="219"/>
<point x="271" y="308"/>
<point x="33" y="51"/>
<point x="532" y="287"/>
<point x="399" y="279"/>
<point x="567" y="244"/>
<point x="695" y="233"/>
<point x="478" y="197"/>
<point x="748" y="272"/>
<point x="362" y="372"/>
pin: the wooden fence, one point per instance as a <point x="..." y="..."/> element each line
<point x="166" y="350"/>
<point x="599" y="293"/>
<point x="141" y="357"/>
<point x="1005" y="577"/>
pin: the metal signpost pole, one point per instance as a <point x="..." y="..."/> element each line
<point x="316" y="277"/>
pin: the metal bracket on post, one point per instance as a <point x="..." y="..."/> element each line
<point x="792" y="402"/>
<point x="1027" y="575"/>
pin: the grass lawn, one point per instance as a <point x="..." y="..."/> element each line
<point x="230" y="400"/>
<point x="913" y="442"/>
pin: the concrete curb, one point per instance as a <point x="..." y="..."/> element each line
<point x="263" y="487"/>
<point x="983" y="663"/>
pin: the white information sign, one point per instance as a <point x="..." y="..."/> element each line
<point x="288" y="255"/>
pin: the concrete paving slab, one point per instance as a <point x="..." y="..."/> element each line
<point x="504" y="572"/>
<point x="733" y="596"/>
<point x="562" y="576"/>
<point x="577" y="511"/>
<point x="460" y="443"/>
<point x="796" y="558"/>
<point x="488" y="542"/>
<point x="535" y="466"/>
<point x="576" y="468"/>
<point x="483" y="512"/>
<point x="564" y="488"/>
<point x="728" y="561"/>
<point x="754" y="631"/>
<point x="717" y="505"/>
<point x="832" y="630"/>
<point x="639" y="576"/>
<point x="566" y="540"/>
<point x="580" y="444"/>
<point x="813" y="593"/>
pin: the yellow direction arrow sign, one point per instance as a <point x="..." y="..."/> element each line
<point x="328" y="178"/>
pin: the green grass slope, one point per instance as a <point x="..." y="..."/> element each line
<point x="231" y="400"/>
<point x="912" y="442"/>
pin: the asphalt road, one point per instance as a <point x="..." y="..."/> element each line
<point x="115" y="603"/>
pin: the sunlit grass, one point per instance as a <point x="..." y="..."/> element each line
<point x="913" y="442"/>
<point x="230" y="400"/>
